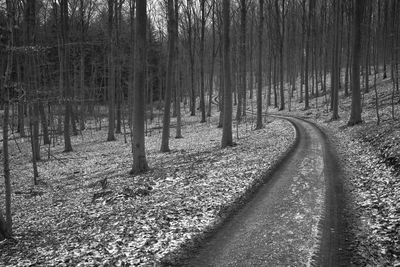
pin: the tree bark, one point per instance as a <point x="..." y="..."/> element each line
<point x="259" y="123"/>
<point x="65" y="75"/>
<point x="7" y="228"/>
<point x="335" y="63"/>
<point x="138" y="145"/>
<point x="242" y="64"/>
<point x="191" y="57"/>
<point x="178" y="84"/>
<point x="281" y="32"/>
<point x="111" y="72"/>
<point x="307" y="56"/>
<point x="355" y="116"/>
<point x="227" y="123"/>
<point x="169" y="78"/>
<point x="202" y="89"/>
<point x="213" y="55"/>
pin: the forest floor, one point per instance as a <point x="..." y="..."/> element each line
<point x="370" y="157"/>
<point x="87" y="210"/>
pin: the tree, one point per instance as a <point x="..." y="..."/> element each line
<point x="189" y="6"/>
<point x="259" y="123"/>
<point x="170" y="73"/>
<point x="64" y="75"/>
<point x="307" y="55"/>
<point x="227" y="122"/>
<point x="280" y="24"/>
<point x="178" y="84"/>
<point x="111" y="71"/>
<point x="213" y="55"/>
<point x="31" y="79"/>
<point x="138" y="145"/>
<point x="242" y="56"/>
<point x="6" y="226"/>
<point x="355" y="116"/>
<point x="202" y="43"/>
<point x="335" y="75"/>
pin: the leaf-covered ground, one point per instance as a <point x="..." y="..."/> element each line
<point x="370" y="158"/>
<point x="89" y="211"/>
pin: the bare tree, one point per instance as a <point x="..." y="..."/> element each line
<point x="111" y="71"/>
<point x="242" y="66"/>
<point x="227" y="123"/>
<point x="335" y="76"/>
<point x="189" y="6"/>
<point x="355" y="116"/>
<point x="138" y="145"/>
<point x="6" y="227"/>
<point x="178" y="79"/>
<point x="259" y="123"/>
<point x="307" y="55"/>
<point x="202" y="43"/>
<point x="213" y="56"/>
<point x="168" y="89"/>
<point x="64" y="74"/>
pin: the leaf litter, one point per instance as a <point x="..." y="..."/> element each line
<point x="90" y="211"/>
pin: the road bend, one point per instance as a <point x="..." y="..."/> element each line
<point x="293" y="219"/>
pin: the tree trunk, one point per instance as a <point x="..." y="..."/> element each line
<point x="6" y="228"/>
<point x="251" y="46"/>
<point x="21" y="116"/>
<point x="43" y="119"/>
<point x="376" y="63"/>
<point x="227" y="123"/>
<point x="178" y="85"/>
<point x="259" y="123"/>
<point x="65" y="75"/>
<point x="281" y="28"/>
<point x="138" y="145"/>
<point x="242" y="65"/>
<point x="275" y="75"/>
<point x="307" y="55"/>
<point x="213" y="55"/>
<point x="355" y="116"/>
<point x="111" y="72"/>
<point x="221" y="80"/>
<point x="34" y="142"/>
<point x="335" y="64"/>
<point x="191" y="56"/>
<point x="169" y="78"/>
<point x="348" y="61"/>
<point x="202" y="89"/>
<point x="367" y="49"/>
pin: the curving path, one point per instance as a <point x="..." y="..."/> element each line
<point x="293" y="219"/>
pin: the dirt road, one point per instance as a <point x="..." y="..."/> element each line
<point x="294" y="219"/>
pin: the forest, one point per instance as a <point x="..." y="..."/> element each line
<point x="132" y="130"/>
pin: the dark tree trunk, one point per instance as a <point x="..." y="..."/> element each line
<point x="213" y="55"/>
<point x="355" y="116"/>
<point x="65" y="75"/>
<point x="202" y="89"/>
<point x="168" y="89"/>
<point x="307" y="55"/>
<point x="111" y="72"/>
<point x="335" y="62"/>
<point x="259" y="123"/>
<point x="138" y="145"/>
<point x="227" y="124"/>
<point x="6" y="227"/>
<point x="43" y="119"/>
